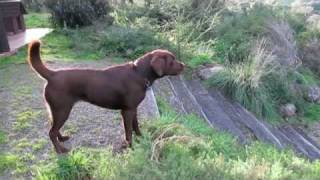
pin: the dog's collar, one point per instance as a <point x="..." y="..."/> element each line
<point x="147" y="84"/>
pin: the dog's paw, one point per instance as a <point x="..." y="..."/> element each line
<point x="63" y="138"/>
<point x="62" y="150"/>
<point x="138" y="133"/>
<point x="125" y="144"/>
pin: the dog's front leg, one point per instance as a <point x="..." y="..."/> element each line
<point x="135" y="125"/>
<point x="128" y="117"/>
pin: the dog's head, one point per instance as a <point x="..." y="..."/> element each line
<point x="163" y="63"/>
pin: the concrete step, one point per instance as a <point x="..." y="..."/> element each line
<point x="190" y="96"/>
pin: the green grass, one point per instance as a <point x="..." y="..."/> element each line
<point x="3" y="137"/>
<point x="181" y="147"/>
<point x="37" y="20"/>
<point x="311" y="113"/>
<point x="34" y="145"/>
<point x="7" y="161"/>
<point x="306" y="77"/>
<point x="199" y="60"/>
<point x="23" y="119"/>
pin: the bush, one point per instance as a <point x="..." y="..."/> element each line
<point x="34" y="5"/>
<point x="237" y="31"/>
<point x="74" y="13"/>
<point x="130" y="42"/>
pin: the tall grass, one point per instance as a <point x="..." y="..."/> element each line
<point x="258" y="83"/>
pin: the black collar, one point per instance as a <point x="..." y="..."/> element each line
<point x="146" y="73"/>
<point x="147" y="84"/>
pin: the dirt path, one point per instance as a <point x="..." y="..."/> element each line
<point x="23" y="117"/>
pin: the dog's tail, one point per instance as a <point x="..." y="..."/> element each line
<point x="35" y="61"/>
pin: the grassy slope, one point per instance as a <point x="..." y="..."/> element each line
<point x="181" y="147"/>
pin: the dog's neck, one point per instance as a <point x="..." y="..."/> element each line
<point x="143" y="68"/>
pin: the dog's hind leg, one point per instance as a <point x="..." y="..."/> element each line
<point x="59" y="115"/>
<point x="62" y="138"/>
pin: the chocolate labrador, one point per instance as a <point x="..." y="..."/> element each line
<point x="121" y="87"/>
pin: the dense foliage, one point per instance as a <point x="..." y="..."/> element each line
<point x="75" y="13"/>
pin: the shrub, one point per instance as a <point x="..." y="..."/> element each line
<point x="237" y="31"/>
<point x="130" y="42"/>
<point x="74" y="13"/>
<point x="34" y="5"/>
<point x="74" y="166"/>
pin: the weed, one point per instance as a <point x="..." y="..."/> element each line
<point x="24" y="118"/>
<point x="311" y="113"/>
<point x="200" y="60"/>
<point x="39" y="145"/>
<point x="7" y="161"/>
<point x="34" y="145"/>
<point x="37" y="20"/>
<point x="77" y="165"/>
<point x="70" y="128"/>
<point x="3" y="137"/>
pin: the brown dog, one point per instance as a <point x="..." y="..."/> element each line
<point x="118" y="87"/>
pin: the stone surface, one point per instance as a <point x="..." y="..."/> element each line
<point x="208" y="72"/>
<point x="313" y="94"/>
<point x="314" y="21"/>
<point x="21" y="39"/>
<point x="310" y="54"/>
<point x="223" y="114"/>
<point x="288" y="110"/>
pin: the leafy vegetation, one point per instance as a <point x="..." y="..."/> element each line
<point x="181" y="147"/>
<point x="3" y="137"/>
<point x="71" y="13"/>
<point x="7" y="161"/>
<point x="24" y="119"/>
<point x="37" y="20"/>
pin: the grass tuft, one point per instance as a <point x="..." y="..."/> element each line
<point x="24" y="118"/>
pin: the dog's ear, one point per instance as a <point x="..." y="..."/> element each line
<point x="157" y="65"/>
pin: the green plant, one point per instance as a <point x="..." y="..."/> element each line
<point x="7" y="161"/>
<point x="73" y="13"/>
<point x="236" y="31"/>
<point x="37" y="20"/>
<point x="311" y="113"/>
<point x="129" y="42"/>
<point x="34" y="5"/>
<point x="3" y="137"/>
<point x="24" y="118"/>
<point x="200" y="60"/>
<point x="75" y="166"/>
